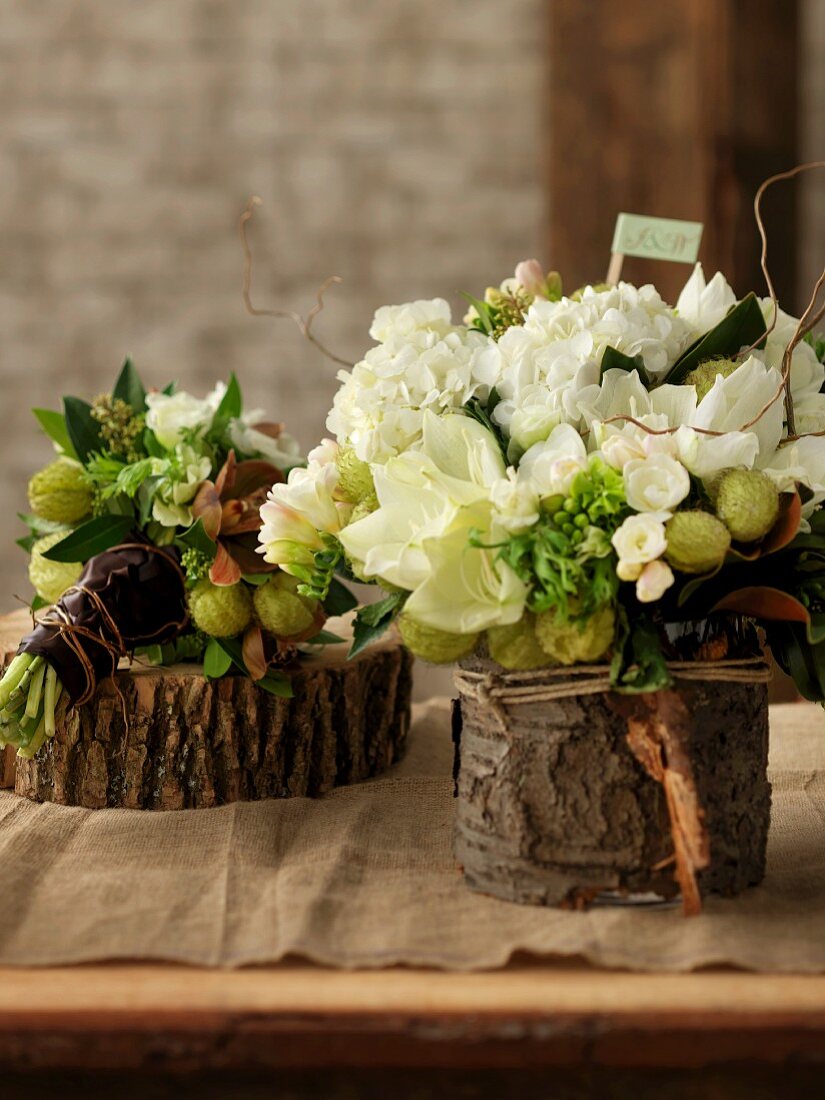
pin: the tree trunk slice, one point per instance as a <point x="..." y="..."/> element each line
<point x="555" y="808"/>
<point x="190" y="742"/>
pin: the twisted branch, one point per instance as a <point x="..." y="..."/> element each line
<point x="304" y="323"/>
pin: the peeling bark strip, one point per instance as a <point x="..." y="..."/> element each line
<point x="555" y="806"/>
<point x="660" y="741"/>
<point x="190" y="742"/>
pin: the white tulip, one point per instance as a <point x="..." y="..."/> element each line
<point x="640" y="539"/>
<point x="703" y="304"/>
<point x="170" y="416"/>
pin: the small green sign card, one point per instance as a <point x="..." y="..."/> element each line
<point x="657" y="238"/>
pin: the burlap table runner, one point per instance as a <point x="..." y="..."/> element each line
<point x="366" y="877"/>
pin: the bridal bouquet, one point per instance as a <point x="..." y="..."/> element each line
<point x="571" y="479"/>
<point x="142" y="539"/>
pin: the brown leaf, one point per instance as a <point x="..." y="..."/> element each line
<point x="253" y="653"/>
<point x="762" y="602"/>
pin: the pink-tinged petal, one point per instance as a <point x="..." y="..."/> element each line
<point x="207" y="508"/>
<point x="254" y="656"/>
<point x="224" y="570"/>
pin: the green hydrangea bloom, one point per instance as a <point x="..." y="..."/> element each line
<point x="220" y="611"/>
<point x="747" y="502"/>
<point x="50" y="579"/>
<point x="696" y="542"/>
<point x="439" y="647"/>
<point x="516" y="646"/>
<point x="60" y="492"/>
<point x="577" y="641"/>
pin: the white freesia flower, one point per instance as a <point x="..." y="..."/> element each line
<point x="276" y="446"/>
<point x="640" y="539"/>
<point x="656" y="484"/>
<point x="171" y="416"/>
<point x="654" y="580"/>
<point x="180" y="477"/>
<point x="515" y="502"/>
<point x="703" y="304"/>
<point x="734" y="401"/>
<point x="466" y="588"/>
<point x="552" y="464"/>
<point x="422" y="362"/>
<point x="296" y="515"/>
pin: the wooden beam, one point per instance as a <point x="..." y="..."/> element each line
<point x="677" y="109"/>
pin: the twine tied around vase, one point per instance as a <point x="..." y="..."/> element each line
<point x="659" y="729"/>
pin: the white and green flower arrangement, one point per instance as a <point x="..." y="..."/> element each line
<point x="560" y="478"/>
<point x="143" y="538"/>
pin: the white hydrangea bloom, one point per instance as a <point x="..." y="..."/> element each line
<point x="422" y="361"/>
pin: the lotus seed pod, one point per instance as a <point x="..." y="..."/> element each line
<point x="747" y="502"/>
<point x="516" y="646"/>
<point x="576" y="641"/>
<point x="439" y="647"/>
<point x="60" y="492"/>
<point x="354" y="477"/>
<point x="696" y="542"/>
<point x="50" y="579"/>
<point x="221" y="611"/>
<point x="280" y="611"/>
<point x="704" y="376"/>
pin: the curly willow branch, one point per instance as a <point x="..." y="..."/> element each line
<point x="304" y="323"/>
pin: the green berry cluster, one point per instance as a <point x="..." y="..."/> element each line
<point x="195" y="564"/>
<point x="507" y="309"/>
<point x="121" y="428"/>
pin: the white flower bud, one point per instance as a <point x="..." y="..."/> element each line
<point x="654" y="581"/>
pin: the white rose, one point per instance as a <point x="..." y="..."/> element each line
<point x="640" y="539"/>
<point x="656" y="484"/>
<point x="620" y="448"/>
<point x="169" y="416"/>
<point x="654" y="581"/>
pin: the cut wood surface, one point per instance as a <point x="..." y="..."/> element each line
<point x="167" y="1017"/>
<point x="168" y="739"/>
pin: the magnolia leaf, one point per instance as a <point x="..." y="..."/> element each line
<point x="276" y="684"/>
<point x="324" y="637"/>
<point x="339" y="600"/>
<point x="742" y="326"/>
<point x="785" y="529"/>
<point x="90" y="538"/>
<point x="763" y="602"/>
<point x="617" y="360"/>
<point x="129" y="387"/>
<point x="254" y="656"/>
<point x="372" y="620"/>
<point x="254" y="474"/>
<point x="804" y="662"/>
<point x="54" y="425"/>
<point x="81" y="427"/>
<point x="638" y="663"/>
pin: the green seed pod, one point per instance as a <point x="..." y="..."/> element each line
<point x="220" y="611"/>
<point x="696" y="542"/>
<point x="354" y="477"/>
<point x="704" y="376"/>
<point x="60" y="492"/>
<point x="50" y="579"/>
<point x="576" y="641"/>
<point x="439" y="647"/>
<point x="280" y="610"/>
<point x="747" y="502"/>
<point x="516" y="646"/>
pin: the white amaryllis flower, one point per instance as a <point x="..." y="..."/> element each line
<point x="640" y="539"/>
<point x="422" y="362"/>
<point x="802" y="462"/>
<point x="467" y="588"/>
<point x="657" y="484"/>
<point x="171" y="416"/>
<point x="734" y="401"/>
<point x="703" y="304"/>
<point x="551" y="465"/>
<point x="654" y="580"/>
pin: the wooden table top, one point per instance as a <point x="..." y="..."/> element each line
<point x="296" y="1016"/>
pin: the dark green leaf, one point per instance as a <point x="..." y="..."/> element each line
<point x="196" y="538"/>
<point x="54" y="425"/>
<point x="129" y="387"/>
<point x="339" y="599"/>
<point x="38" y="603"/>
<point x="617" y="360"/>
<point x="231" y="405"/>
<point x="232" y="647"/>
<point x="325" y="637"/>
<point x="169" y="389"/>
<point x="27" y="543"/>
<point x="276" y="684"/>
<point x="804" y="662"/>
<point x="638" y="663"/>
<point x="151" y="445"/>
<point x="39" y="526"/>
<point x="256" y="579"/>
<point x="474" y="409"/>
<point x="92" y="537"/>
<point x="493" y="400"/>
<point x="216" y="661"/>
<point x="82" y="429"/>
<point x="742" y="326"/>
<point x="372" y="620"/>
